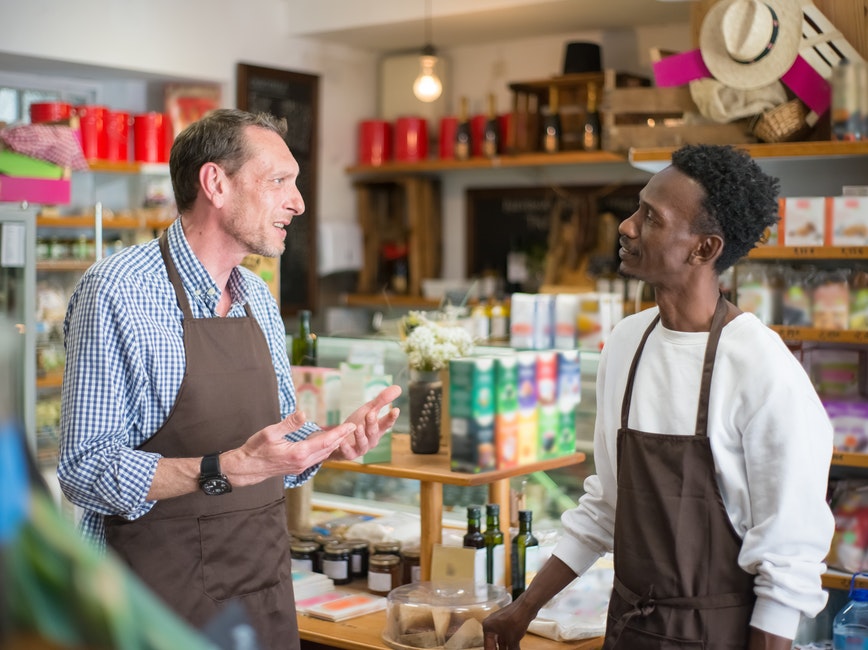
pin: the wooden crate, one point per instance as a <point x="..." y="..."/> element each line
<point x="531" y="100"/>
<point x="655" y="117"/>
<point x="403" y="209"/>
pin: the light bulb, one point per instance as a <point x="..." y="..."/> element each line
<point x="427" y="86"/>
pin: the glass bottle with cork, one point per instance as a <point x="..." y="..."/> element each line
<point x="304" y="343"/>
<point x="462" y="132"/>
<point x="551" y="124"/>
<point x="491" y="131"/>
<point x="591" y="129"/>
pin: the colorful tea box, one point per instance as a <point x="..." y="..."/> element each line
<point x="566" y="311"/>
<point x="522" y="316"/>
<point x="546" y="377"/>
<point x="527" y="380"/>
<point x="472" y="449"/>
<point x="547" y="431"/>
<point x="544" y="321"/>
<point x="527" y="435"/>
<point x="569" y="378"/>
<point x="506" y="410"/>
<point x="471" y="387"/>
<point x="566" y="439"/>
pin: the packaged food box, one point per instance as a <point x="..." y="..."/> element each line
<point x="803" y="221"/>
<point x="848" y="219"/>
<point x="850" y="424"/>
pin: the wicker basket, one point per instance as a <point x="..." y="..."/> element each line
<point x="782" y="123"/>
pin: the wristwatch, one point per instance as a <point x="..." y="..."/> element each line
<point x="211" y="480"/>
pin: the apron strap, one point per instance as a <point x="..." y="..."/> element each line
<point x="175" y="277"/>
<point x="708" y="366"/>
<point x="628" y="392"/>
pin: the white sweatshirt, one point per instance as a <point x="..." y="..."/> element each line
<point x="772" y="445"/>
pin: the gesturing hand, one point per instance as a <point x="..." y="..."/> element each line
<point x="369" y="427"/>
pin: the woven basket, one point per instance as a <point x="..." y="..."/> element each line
<point x="782" y="123"/>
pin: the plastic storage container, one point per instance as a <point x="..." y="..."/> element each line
<point x="445" y="614"/>
<point x="850" y="627"/>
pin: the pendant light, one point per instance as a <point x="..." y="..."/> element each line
<point x="427" y="86"/>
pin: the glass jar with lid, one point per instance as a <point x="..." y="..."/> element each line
<point x="336" y="562"/>
<point x="359" y="554"/>
<point x="411" y="571"/>
<point x="304" y="556"/>
<point x="384" y="573"/>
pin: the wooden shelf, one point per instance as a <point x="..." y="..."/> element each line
<point x="116" y="167"/>
<point x="637" y="157"/>
<point x="385" y="300"/>
<point x="500" y="162"/>
<point x="809" y="253"/>
<point x="114" y="223"/>
<point x="849" y="459"/>
<point x="50" y="380"/>
<point x="818" y="149"/>
<point x="435" y="467"/>
<point x="64" y="265"/>
<point x="797" y="333"/>
<point x="834" y="579"/>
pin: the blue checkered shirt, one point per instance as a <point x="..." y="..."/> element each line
<point x="125" y="363"/>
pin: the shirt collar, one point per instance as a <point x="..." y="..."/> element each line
<point x="196" y="279"/>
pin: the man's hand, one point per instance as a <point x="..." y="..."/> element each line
<point x="269" y="453"/>
<point x="369" y="426"/>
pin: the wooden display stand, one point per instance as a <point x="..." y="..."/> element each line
<point x="400" y="209"/>
<point x="432" y="471"/>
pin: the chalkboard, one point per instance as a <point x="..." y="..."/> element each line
<point x="294" y="96"/>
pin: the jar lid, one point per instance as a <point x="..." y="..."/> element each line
<point x="411" y="553"/>
<point x="337" y="548"/>
<point x="306" y="534"/>
<point x="387" y="547"/>
<point x="384" y="559"/>
<point x="304" y="547"/>
<point x="357" y="543"/>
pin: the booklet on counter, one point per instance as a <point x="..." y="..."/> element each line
<point x="306" y="584"/>
<point x="340" y="605"/>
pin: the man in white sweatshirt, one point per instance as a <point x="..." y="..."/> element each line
<point x="711" y="446"/>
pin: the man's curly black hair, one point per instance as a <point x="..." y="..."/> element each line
<point x="741" y="200"/>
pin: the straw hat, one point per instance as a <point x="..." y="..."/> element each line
<point x="751" y="43"/>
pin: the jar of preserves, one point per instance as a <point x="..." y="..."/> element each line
<point x="304" y="556"/>
<point x="384" y="573"/>
<point x="359" y="554"/>
<point x="411" y="571"/>
<point x="336" y="562"/>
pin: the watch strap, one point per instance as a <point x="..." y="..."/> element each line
<point x="210" y="465"/>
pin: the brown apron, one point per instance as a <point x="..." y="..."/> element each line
<point x="197" y="552"/>
<point x="677" y="579"/>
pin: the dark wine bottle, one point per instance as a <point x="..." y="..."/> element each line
<point x="525" y="554"/>
<point x="551" y="124"/>
<point x="491" y="131"/>
<point x="494" y="548"/>
<point x="462" y="132"/>
<point x="476" y="540"/>
<point x="591" y="130"/>
<point x="304" y="343"/>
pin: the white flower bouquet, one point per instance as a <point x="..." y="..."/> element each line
<point x="430" y="345"/>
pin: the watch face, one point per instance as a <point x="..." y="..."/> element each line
<point x="215" y="485"/>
